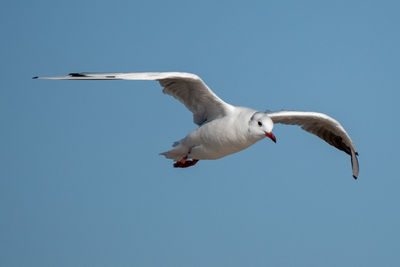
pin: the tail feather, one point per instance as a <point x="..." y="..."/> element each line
<point x="177" y="152"/>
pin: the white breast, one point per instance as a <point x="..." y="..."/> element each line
<point x="221" y="137"/>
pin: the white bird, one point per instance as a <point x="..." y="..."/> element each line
<point x="225" y="129"/>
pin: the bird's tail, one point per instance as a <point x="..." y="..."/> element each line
<point x="177" y="152"/>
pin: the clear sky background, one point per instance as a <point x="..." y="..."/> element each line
<point x="81" y="181"/>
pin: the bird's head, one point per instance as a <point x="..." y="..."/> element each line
<point x="262" y="125"/>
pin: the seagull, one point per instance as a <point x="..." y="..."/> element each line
<point x="225" y="129"/>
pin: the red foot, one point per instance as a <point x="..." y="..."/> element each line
<point x="184" y="163"/>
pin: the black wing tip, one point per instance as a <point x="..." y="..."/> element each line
<point x="355" y="177"/>
<point x="36" y="77"/>
<point x="76" y="74"/>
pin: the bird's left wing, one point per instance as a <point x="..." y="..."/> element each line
<point x="322" y="126"/>
<point x="188" y="88"/>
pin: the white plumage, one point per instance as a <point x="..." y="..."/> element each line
<point x="223" y="128"/>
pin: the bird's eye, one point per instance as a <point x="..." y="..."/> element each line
<point x="259" y="123"/>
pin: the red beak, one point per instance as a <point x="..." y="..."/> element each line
<point x="271" y="136"/>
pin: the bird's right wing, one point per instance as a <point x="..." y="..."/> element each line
<point x="324" y="127"/>
<point x="186" y="87"/>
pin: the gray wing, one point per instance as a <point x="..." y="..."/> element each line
<point x="322" y="126"/>
<point x="186" y="87"/>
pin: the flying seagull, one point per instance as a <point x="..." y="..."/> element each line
<point x="225" y="129"/>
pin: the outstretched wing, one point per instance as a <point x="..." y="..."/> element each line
<point x="186" y="87"/>
<point x="322" y="126"/>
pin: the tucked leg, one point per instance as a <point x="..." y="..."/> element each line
<point x="184" y="163"/>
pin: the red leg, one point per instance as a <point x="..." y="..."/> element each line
<point x="184" y="163"/>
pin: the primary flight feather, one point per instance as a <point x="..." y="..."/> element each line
<point x="225" y="129"/>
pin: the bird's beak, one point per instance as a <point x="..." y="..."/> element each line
<point x="271" y="136"/>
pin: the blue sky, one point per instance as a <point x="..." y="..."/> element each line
<point x="81" y="181"/>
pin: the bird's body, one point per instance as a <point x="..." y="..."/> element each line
<point x="217" y="138"/>
<point x="225" y="129"/>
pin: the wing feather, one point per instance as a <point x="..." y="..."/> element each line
<point x="323" y="126"/>
<point x="188" y="88"/>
